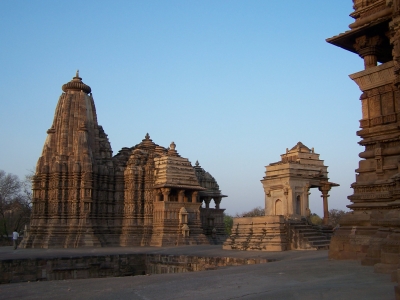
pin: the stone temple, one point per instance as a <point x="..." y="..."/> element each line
<point x="144" y="195"/>
<point x="286" y="225"/>
<point x="288" y="182"/>
<point x="371" y="231"/>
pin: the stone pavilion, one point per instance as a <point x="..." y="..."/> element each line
<point x="287" y="183"/>
<point x="285" y="225"/>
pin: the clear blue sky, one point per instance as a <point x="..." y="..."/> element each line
<point x="232" y="83"/>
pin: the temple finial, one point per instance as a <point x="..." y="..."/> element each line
<point x="77" y="73"/>
<point x="172" y="151"/>
<point x="147" y="137"/>
<point x="197" y="163"/>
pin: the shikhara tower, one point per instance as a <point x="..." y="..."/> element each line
<point x="145" y="195"/>
<point x="371" y="231"/>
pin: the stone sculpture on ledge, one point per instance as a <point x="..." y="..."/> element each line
<point x="145" y="195"/>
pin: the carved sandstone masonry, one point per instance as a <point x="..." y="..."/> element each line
<point x="373" y="222"/>
<point x="82" y="196"/>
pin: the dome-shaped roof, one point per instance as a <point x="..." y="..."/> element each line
<point x="76" y="84"/>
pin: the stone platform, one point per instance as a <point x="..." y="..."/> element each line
<point x="287" y="275"/>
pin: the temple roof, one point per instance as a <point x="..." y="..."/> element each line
<point x="300" y="146"/>
<point x="207" y="181"/>
<point x="147" y="143"/>
<point x="370" y="17"/>
<point x="76" y="84"/>
<point x="174" y="171"/>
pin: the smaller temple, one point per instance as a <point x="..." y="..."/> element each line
<point x="287" y="183"/>
<point x="176" y="189"/>
<point x="286" y="222"/>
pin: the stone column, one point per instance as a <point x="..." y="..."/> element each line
<point x="181" y="195"/>
<point x="306" y="202"/>
<point x="166" y="192"/>
<point x="217" y="201"/>
<point x="325" y="188"/>
<point x="158" y="194"/>
<point x="207" y="201"/>
<point x="368" y="48"/>
<point x="194" y="196"/>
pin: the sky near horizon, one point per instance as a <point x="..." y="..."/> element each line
<point x="232" y="83"/>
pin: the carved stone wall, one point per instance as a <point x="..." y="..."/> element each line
<point x="369" y="232"/>
<point x="73" y="188"/>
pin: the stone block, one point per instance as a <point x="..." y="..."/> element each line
<point x="389" y="258"/>
<point x="385" y="268"/>
<point x="369" y="261"/>
<point x="397" y="292"/>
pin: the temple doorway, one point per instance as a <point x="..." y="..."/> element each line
<point x="278" y="208"/>
<point x="298" y="205"/>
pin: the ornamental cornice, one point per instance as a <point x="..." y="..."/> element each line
<point x="374" y="77"/>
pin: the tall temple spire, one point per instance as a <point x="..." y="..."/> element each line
<point x="65" y="185"/>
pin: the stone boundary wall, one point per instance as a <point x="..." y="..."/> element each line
<point x="62" y="268"/>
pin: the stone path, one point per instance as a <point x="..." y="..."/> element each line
<point x="295" y="275"/>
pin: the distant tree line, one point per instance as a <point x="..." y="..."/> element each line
<point x="15" y="203"/>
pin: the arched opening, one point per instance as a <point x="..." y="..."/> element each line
<point x="298" y="205"/>
<point x="278" y="208"/>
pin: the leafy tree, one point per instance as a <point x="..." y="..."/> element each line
<point x="228" y="221"/>
<point x="335" y="215"/>
<point x="15" y="203"/>
<point x="315" y="219"/>
<point x="255" y="212"/>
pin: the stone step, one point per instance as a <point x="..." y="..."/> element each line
<point x="317" y="238"/>
<point x="320" y="243"/>
<point x="309" y="236"/>
<point x="306" y="234"/>
<point x="302" y="226"/>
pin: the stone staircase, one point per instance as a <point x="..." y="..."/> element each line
<point x="303" y="236"/>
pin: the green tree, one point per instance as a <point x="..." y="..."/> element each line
<point x="335" y="215"/>
<point x="255" y="212"/>
<point x="15" y="203"/>
<point x="228" y="221"/>
<point x="315" y="219"/>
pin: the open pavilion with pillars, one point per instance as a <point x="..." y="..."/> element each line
<point x="287" y="183"/>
